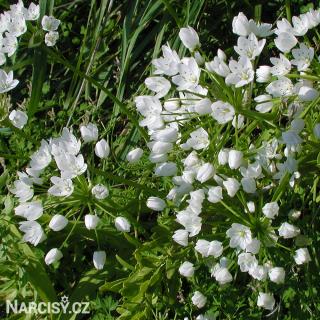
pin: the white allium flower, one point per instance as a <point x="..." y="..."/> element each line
<point x="306" y="93"/>
<point x="70" y="166"/>
<point x="7" y="83"/>
<point x="240" y="236"/>
<point x="281" y="66"/>
<point x="42" y="157"/>
<point x="189" y="38"/>
<point x="198" y="299"/>
<point x="99" y="259"/>
<point x="29" y="210"/>
<point x="264" y="103"/>
<point x="58" y="222"/>
<point x="50" y="23"/>
<point x="100" y="192"/>
<point x="242" y="72"/>
<point x="203" y="106"/>
<point x="186" y="269"/>
<point x="22" y="190"/>
<point x="18" y="118"/>
<point x="232" y="186"/>
<point x="156" y="204"/>
<point x="251" y="206"/>
<point x="51" y="38"/>
<point x="300" y="26"/>
<point x="215" y="194"/>
<point x="102" y="149"/>
<point x="249" y="47"/>
<point x="205" y="172"/>
<point x="247" y="261"/>
<point x="282" y="87"/>
<point x="258" y="272"/>
<point x="263" y="74"/>
<point x="302" y="256"/>
<point x="191" y="222"/>
<point x="122" y="224"/>
<point x="253" y="246"/>
<point x="181" y="237"/>
<point x="277" y="275"/>
<point x="270" y="210"/>
<point x="91" y="221"/>
<point x="53" y="256"/>
<point x="31" y="13"/>
<point x="61" y="187"/>
<point x="223" y="156"/>
<point x="207" y="248"/>
<point x="9" y="46"/>
<point x="285" y="41"/>
<point x="287" y="230"/>
<point x="222" y="112"/>
<point x="159" y="85"/>
<point x="235" y="159"/>
<point x="168" y="134"/>
<point x="249" y="185"/>
<point x="302" y="57"/>
<point x="221" y="274"/>
<point x="189" y="74"/>
<point x="134" y="155"/>
<point x="33" y="232"/>
<point x="218" y="66"/>
<point x="166" y="169"/>
<point x="168" y="64"/>
<point x="89" y="132"/>
<point x="199" y="139"/>
<point x="240" y="25"/>
<point x="266" y="301"/>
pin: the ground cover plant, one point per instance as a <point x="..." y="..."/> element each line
<point x="157" y="165"/>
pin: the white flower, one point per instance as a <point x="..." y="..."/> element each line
<point x="266" y="301"/>
<point x="99" y="259"/>
<point x="190" y="221"/>
<point x="221" y="274"/>
<point x="18" y="118"/>
<point x="10" y="45"/>
<point x="248" y="185"/>
<point x="235" y="159"/>
<point x="222" y="112"/>
<point x="32" y="13"/>
<point x="17" y="25"/>
<point x="167" y="134"/>
<point x="166" y="169"/>
<point x="199" y="139"/>
<point x="168" y="64"/>
<point x="251" y="206"/>
<point x="258" y="272"/>
<point x="181" y="237"/>
<point x="215" y="194"/>
<point x="100" y="191"/>
<point x="70" y="166"/>
<point x="285" y="41"/>
<point x="91" y="221"/>
<point x="218" y="65"/>
<point x="30" y="210"/>
<point x="198" y="299"/>
<point x="281" y="65"/>
<point x="207" y="248"/>
<point x="249" y="47"/>
<point x="240" y="25"/>
<point x="58" y="222"/>
<point x="306" y="93"/>
<point x="50" y="23"/>
<point x="302" y="256"/>
<point x="264" y="103"/>
<point x="7" y="83"/>
<point x="277" y="275"/>
<point x="134" y="155"/>
<point x="102" y="149"/>
<point x="41" y="158"/>
<point x="159" y="85"/>
<point x="240" y="236"/>
<point x="300" y="26"/>
<point x="122" y="224"/>
<point x="203" y="106"/>
<point x="247" y="261"/>
<point x="186" y="269"/>
<point x="232" y="186"/>
<point x="89" y="132"/>
<point x="156" y="204"/>
<point x="159" y="147"/>
<point x="223" y="156"/>
<point x="302" y="57"/>
<point x="282" y="87"/>
<point x="189" y="38"/>
<point x="241" y="72"/>
<point x="205" y="172"/>
<point x="316" y="130"/>
<point x="253" y="246"/>
<point x="51" y="38"/>
<point x="33" y="232"/>
<point x="270" y="210"/>
<point x="288" y="231"/>
<point x="61" y="187"/>
<point x="22" y="190"/>
<point x="263" y="74"/>
<point x="53" y="256"/>
<point x="189" y="74"/>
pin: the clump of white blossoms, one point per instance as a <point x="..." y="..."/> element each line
<point x="232" y="137"/>
<point x="13" y="25"/>
<point x="59" y="191"/>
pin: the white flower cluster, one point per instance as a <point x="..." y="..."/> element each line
<point x="60" y="160"/>
<point x="201" y="126"/>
